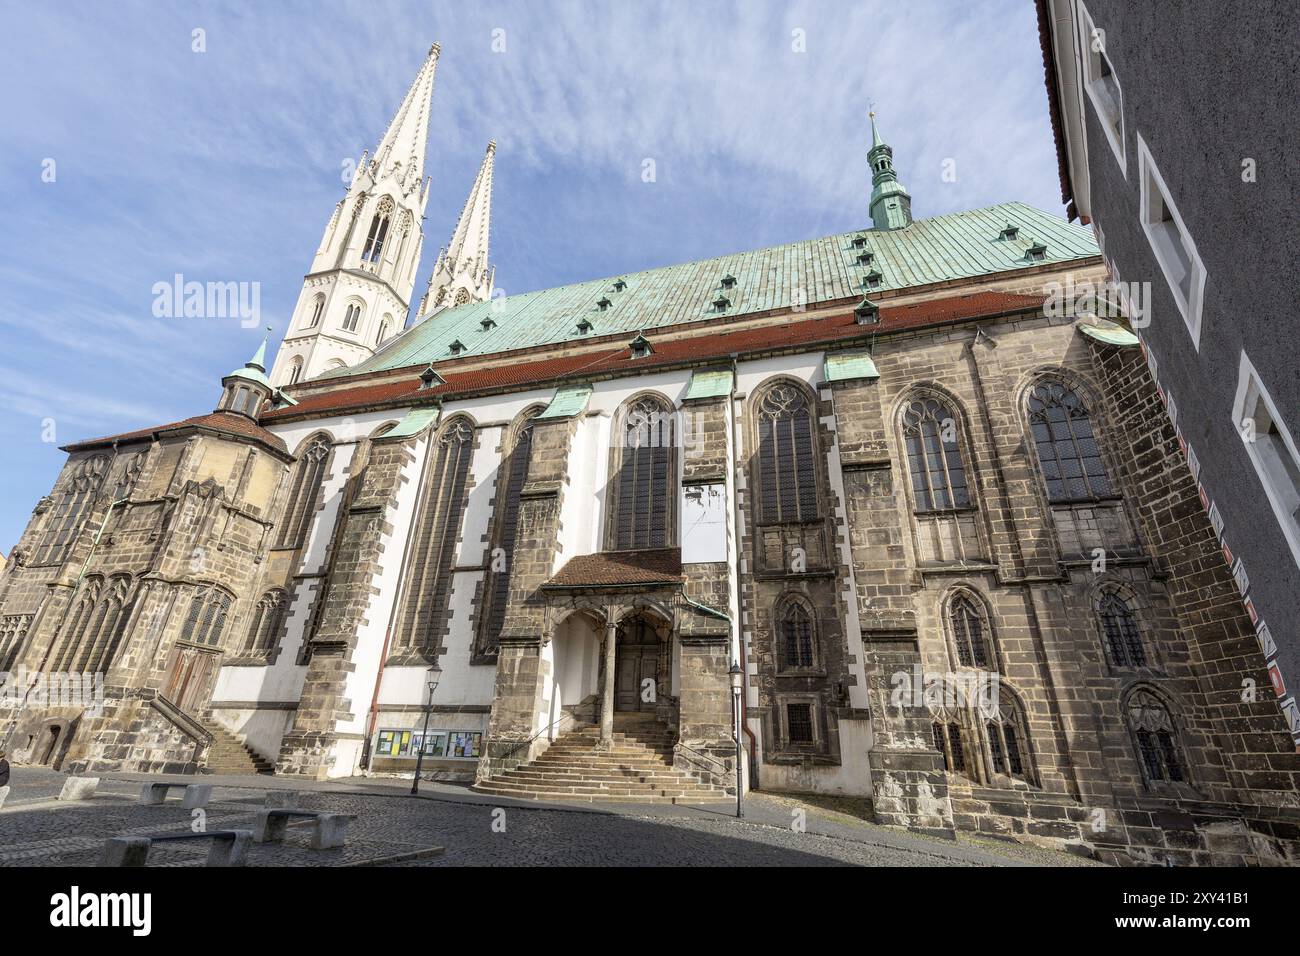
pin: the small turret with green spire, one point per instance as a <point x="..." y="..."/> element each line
<point x="891" y="204"/>
<point x="245" y="389"/>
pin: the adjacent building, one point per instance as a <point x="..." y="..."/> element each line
<point x="1176" y="146"/>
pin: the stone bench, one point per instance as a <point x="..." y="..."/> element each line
<point x="196" y="794"/>
<point x="229" y="847"/>
<point x="79" y="788"/>
<point x="329" y="830"/>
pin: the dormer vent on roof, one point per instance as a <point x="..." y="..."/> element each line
<point x="865" y="257"/>
<point x="721" y="303"/>
<point x="584" y="326"/>
<point x="429" y="378"/>
<point x="1009" y="232"/>
<point x="859" y="241"/>
<point x="488" y="323"/>
<point x="640" y="346"/>
<point x="1036" y="252"/>
<point x="728" y="281"/>
<point x="619" y="286"/>
<point x="604" y="302"/>
<point x="872" y="280"/>
<point x="866" y="313"/>
<point x="457" y="347"/>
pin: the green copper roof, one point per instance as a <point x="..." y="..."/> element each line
<point x="1108" y="332"/>
<point x="255" y="368"/>
<point x="843" y="366"/>
<point x="569" y="400"/>
<point x="955" y="246"/>
<point x="709" y="383"/>
<point x="416" y="421"/>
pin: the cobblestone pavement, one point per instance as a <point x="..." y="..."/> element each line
<point x="476" y="830"/>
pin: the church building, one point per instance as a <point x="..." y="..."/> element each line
<point x="918" y="522"/>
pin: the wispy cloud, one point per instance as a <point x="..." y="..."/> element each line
<point x="225" y="165"/>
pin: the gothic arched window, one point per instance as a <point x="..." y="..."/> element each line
<point x="205" y="623"/>
<point x="78" y="624"/>
<point x="1120" y="629"/>
<point x="933" y="456"/>
<point x="1155" y="738"/>
<point x="295" y="372"/>
<point x="384" y="326"/>
<point x="301" y="505"/>
<point x="787" y="453"/>
<point x="795" y="633"/>
<point x="970" y="632"/>
<point x="442" y="506"/>
<point x="643" y="477"/>
<point x="510" y="485"/>
<point x="70" y="510"/>
<point x="1066" y="444"/>
<point x="373" y="250"/>
<point x="1008" y="738"/>
<point x="268" y="616"/>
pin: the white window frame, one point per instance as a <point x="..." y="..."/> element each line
<point x="1161" y="243"/>
<point x="1090" y="61"/>
<point x="1281" y="489"/>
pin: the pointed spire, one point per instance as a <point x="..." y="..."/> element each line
<point x="469" y="243"/>
<point x="404" y="140"/>
<point x="891" y="204"/>
<point x="258" y="361"/>
<point x="462" y="272"/>
<point x="875" y="133"/>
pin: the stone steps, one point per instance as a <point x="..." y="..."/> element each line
<point x="228" y="754"/>
<point x="637" y="768"/>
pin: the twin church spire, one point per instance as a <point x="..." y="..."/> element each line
<point x="358" y="292"/>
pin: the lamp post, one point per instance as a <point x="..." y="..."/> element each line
<point x="735" y="733"/>
<point x="428" y="709"/>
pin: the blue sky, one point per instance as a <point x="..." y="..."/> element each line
<point x="225" y="165"/>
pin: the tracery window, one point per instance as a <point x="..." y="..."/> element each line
<point x="300" y="507"/>
<point x="1067" y="445"/>
<point x="99" y="644"/>
<point x="510" y="485"/>
<point x="796" y="635"/>
<point x="1155" y="738"/>
<point x="71" y="510"/>
<point x="970" y="632"/>
<point x="13" y="629"/>
<point x="205" y="622"/>
<point x="317" y="308"/>
<point x="1120" y="629"/>
<point x="644" y="476"/>
<point x="933" y="456"/>
<point x="423" y="618"/>
<point x="787" y="466"/>
<point x="268" y="617"/>
<point x="1007" y="734"/>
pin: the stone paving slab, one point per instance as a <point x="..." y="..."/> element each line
<point x="474" y="829"/>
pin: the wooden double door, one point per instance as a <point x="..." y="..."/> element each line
<point x="637" y="682"/>
<point x="190" y="673"/>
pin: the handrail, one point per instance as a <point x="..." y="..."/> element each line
<point x="525" y="743"/>
<point x="713" y="760"/>
<point x="191" y="726"/>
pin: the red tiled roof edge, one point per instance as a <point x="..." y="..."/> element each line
<point x="827" y="331"/>
<point x="619" y="569"/>
<point x="225" y="422"/>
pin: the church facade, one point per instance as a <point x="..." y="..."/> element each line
<point x="923" y="514"/>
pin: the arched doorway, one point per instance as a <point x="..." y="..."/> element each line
<point x="638" y="666"/>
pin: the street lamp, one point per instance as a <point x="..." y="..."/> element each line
<point x="735" y="733"/>
<point x="434" y="673"/>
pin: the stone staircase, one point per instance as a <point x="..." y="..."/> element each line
<point x="637" y="768"/>
<point x="228" y="754"/>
